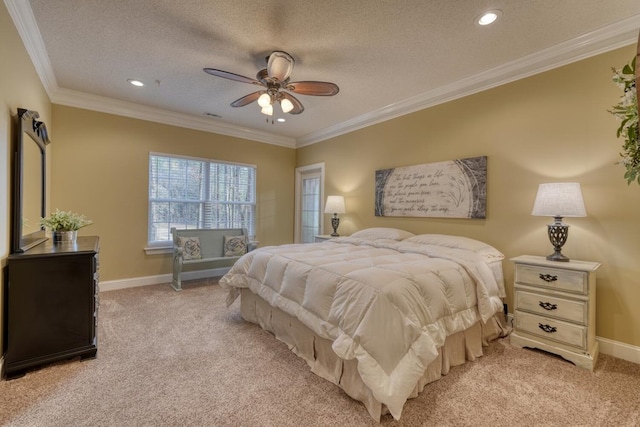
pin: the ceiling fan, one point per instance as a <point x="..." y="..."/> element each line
<point x="276" y="85"/>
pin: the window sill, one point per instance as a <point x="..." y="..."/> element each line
<point x="158" y="250"/>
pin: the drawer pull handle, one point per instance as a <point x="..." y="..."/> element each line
<point x="547" y="328"/>
<point x="548" y="306"/>
<point x="548" y="277"/>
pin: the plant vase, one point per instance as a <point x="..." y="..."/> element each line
<point x="65" y="236"/>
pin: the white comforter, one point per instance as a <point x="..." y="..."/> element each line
<point x="389" y="304"/>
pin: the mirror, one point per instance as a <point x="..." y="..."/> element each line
<point x="29" y="181"/>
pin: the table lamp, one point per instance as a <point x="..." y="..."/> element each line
<point x="334" y="205"/>
<point x="559" y="199"/>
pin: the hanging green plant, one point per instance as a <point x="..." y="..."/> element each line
<point x="627" y="111"/>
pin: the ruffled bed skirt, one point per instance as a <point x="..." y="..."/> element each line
<point x="317" y="352"/>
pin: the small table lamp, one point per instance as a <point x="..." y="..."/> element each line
<point x="558" y="200"/>
<point x="335" y="205"/>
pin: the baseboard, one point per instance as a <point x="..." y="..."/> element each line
<point x="619" y="349"/>
<point x="112" y="285"/>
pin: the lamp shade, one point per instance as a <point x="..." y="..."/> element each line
<point x="563" y="199"/>
<point x="335" y="204"/>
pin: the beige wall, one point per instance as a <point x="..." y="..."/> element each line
<point x="550" y="127"/>
<point x="20" y="87"/>
<point x="101" y="166"/>
<point x="553" y="126"/>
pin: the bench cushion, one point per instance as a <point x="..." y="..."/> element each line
<point x="226" y="261"/>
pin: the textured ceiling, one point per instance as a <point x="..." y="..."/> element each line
<point x="388" y="57"/>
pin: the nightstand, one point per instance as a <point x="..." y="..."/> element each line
<point x="322" y="238"/>
<point x="555" y="308"/>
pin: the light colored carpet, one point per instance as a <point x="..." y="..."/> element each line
<point x="170" y="358"/>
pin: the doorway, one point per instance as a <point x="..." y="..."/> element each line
<point x="309" y="196"/>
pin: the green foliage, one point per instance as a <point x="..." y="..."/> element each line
<point x="64" y="221"/>
<point x="627" y="112"/>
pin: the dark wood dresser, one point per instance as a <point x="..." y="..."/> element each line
<point x="51" y="304"/>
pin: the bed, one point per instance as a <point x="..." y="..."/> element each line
<point x="380" y="313"/>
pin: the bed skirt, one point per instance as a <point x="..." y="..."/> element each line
<point x="317" y="352"/>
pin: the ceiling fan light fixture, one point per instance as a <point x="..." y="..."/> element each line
<point x="268" y="110"/>
<point x="264" y="100"/>
<point x="275" y="84"/>
<point x="286" y="105"/>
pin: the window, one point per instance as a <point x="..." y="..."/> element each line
<point x="198" y="193"/>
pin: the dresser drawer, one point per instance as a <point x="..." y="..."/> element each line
<point x="552" y="278"/>
<point x="546" y="305"/>
<point x="551" y="329"/>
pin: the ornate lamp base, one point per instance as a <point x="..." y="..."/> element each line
<point x="558" y="234"/>
<point x="335" y="221"/>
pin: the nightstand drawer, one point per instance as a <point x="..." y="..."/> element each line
<point x="545" y="305"/>
<point x="552" y="278"/>
<point x="551" y="329"/>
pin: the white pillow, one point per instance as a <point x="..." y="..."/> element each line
<point x="486" y="251"/>
<point x="382" y="233"/>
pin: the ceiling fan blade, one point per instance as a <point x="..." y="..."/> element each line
<point x="280" y="65"/>
<point x="314" y="88"/>
<point x="247" y="99"/>
<point x="297" y="105"/>
<point x="231" y="76"/>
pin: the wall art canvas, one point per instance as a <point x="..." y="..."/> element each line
<point x="450" y="189"/>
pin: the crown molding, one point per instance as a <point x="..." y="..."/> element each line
<point x="604" y="39"/>
<point x="103" y="104"/>
<point x="590" y="44"/>
<point x="25" y="22"/>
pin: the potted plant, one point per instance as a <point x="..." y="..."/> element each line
<point x="64" y="225"/>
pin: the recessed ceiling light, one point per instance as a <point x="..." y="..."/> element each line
<point x="281" y="120"/>
<point x="135" y="82"/>
<point x="488" y="17"/>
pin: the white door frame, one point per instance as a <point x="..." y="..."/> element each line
<point x="300" y="172"/>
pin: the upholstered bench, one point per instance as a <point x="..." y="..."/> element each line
<point x="206" y="248"/>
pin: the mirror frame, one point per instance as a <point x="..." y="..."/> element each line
<point x="37" y="132"/>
